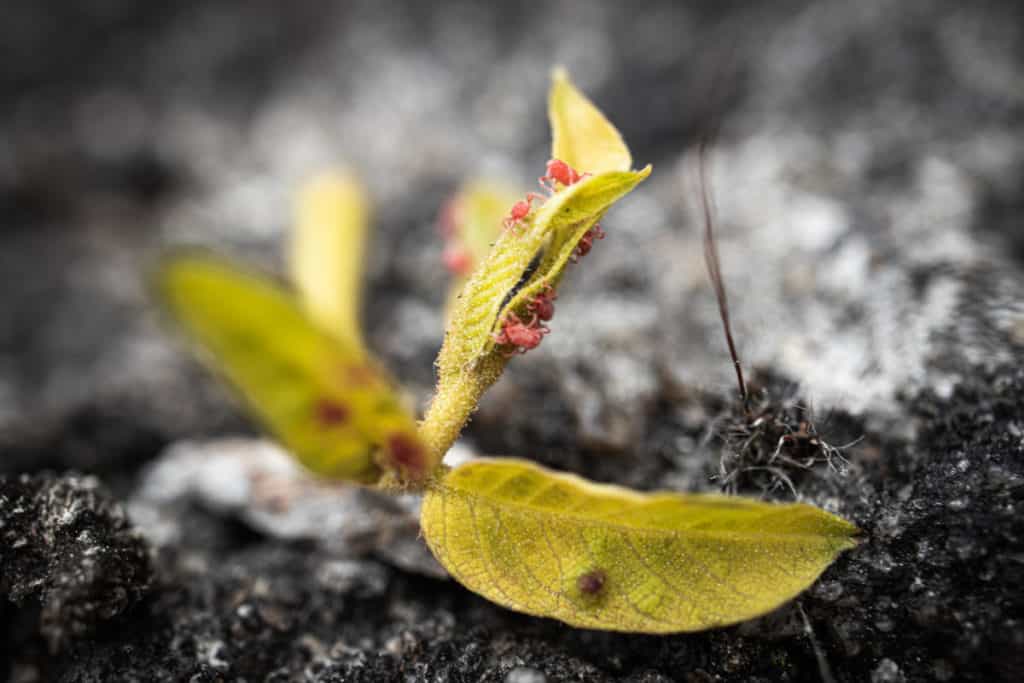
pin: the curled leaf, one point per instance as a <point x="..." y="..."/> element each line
<point x="470" y="361"/>
<point x="581" y="136"/>
<point x="485" y="297"/>
<point x="565" y="234"/>
<point x="325" y="399"/>
<point x="327" y="252"/>
<point x="604" y="557"/>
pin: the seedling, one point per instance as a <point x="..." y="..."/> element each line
<point x="528" y="538"/>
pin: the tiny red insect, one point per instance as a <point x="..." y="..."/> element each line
<point x="586" y="243"/>
<point x="559" y="173"/>
<point x="457" y="259"/>
<point x="543" y="303"/>
<point x="520" y="210"/>
<point x="521" y="336"/>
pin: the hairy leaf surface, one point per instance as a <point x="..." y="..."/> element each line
<point x="604" y="557"/>
<point x="326" y="400"/>
<point x="485" y="296"/>
<point x="581" y="136"/>
<point x="327" y="252"/>
<point x="557" y="253"/>
<point x="469" y="361"/>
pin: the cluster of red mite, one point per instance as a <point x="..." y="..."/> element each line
<point x="521" y="335"/>
<point x="524" y="335"/>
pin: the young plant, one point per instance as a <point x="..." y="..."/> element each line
<point x="533" y="540"/>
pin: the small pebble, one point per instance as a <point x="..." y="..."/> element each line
<point x="525" y="674"/>
<point x="887" y="671"/>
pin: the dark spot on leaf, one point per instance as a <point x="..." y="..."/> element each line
<point x="330" y="413"/>
<point x="592" y="582"/>
<point x="405" y="451"/>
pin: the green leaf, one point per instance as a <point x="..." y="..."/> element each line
<point x="598" y="556"/>
<point x="327" y="253"/>
<point x="325" y="399"/>
<point x="581" y="136"/>
<point x="469" y="361"/>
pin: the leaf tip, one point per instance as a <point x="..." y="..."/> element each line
<point x="329" y="182"/>
<point x="581" y="135"/>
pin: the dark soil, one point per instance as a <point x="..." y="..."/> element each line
<point x="930" y="588"/>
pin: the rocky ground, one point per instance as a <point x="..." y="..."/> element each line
<point x="868" y="169"/>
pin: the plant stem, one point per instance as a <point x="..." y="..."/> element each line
<point x="455" y="400"/>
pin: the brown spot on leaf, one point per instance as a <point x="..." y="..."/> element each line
<point x="330" y="413"/>
<point x="592" y="582"/>
<point x="406" y="452"/>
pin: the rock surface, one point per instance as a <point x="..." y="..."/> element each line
<point x="257" y="482"/>
<point x="868" y="171"/>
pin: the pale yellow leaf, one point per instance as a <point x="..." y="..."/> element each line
<point x="581" y="136"/>
<point x="604" y="557"/>
<point x="471" y="227"/>
<point x="327" y="252"/>
<point x="482" y="207"/>
<point x="327" y="401"/>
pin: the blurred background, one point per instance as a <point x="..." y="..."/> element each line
<point x="861" y="148"/>
<point x="867" y="167"/>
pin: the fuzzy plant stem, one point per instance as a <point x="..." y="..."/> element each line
<point x="455" y="400"/>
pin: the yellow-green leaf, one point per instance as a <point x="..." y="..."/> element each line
<point x="472" y="224"/>
<point x="327" y="252"/>
<point x="482" y="207"/>
<point x="325" y="399"/>
<point x="604" y="557"/>
<point x="469" y="361"/>
<point x="581" y="136"/>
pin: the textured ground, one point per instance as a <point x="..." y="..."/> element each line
<point x="868" y="172"/>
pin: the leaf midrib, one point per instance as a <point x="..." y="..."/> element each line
<point x="654" y="530"/>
